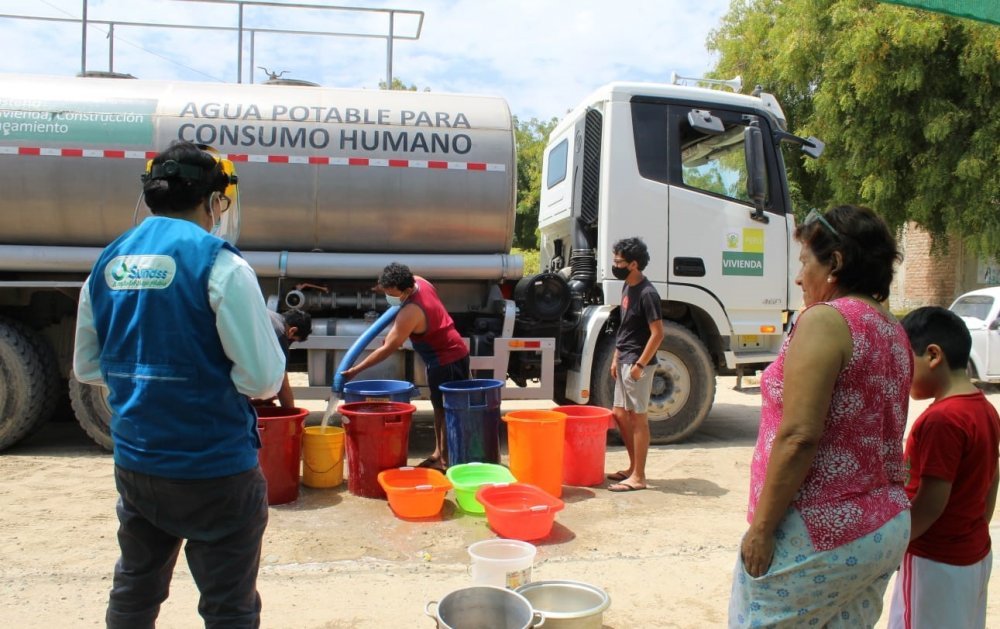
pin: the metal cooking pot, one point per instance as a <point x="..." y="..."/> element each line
<point x="567" y="604"/>
<point x="484" y="607"/>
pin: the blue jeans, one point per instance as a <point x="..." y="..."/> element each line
<point x="223" y="521"/>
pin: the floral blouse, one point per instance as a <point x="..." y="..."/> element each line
<point x="856" y="482"/>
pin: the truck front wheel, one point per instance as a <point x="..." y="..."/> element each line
<point x="90" y="405"/>
<point x="28" y="382"/>
<point x="683" y="385"/>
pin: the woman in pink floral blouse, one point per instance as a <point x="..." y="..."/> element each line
<point x="829" y="519"/>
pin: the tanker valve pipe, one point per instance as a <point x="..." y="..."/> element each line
<point x="295" y="299"/>
<point x="359" y="345"/>
<point x="312" y="301"/>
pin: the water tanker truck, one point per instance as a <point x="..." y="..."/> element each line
<point x="335" y="183"/>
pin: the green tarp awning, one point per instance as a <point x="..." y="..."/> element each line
<point x="984" y="10"/>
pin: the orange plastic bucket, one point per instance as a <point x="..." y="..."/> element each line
<point x="414" y="492"/>
<point x="378" y="435"/>
<point x="280" y="451"/>
<point x="535" y="441"/>
<point x="586" y="444"/>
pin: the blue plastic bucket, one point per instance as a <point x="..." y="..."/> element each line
<point x="472" y="420"/>
<point x="379" y="391"/>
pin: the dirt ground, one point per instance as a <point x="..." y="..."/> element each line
<point x="334" y="560"/>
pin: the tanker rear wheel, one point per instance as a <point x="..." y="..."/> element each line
<point x="29" y="382"/>
<point x="90" y="405"/>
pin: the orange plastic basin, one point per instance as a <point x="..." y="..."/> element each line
<point x="414" y="492"/>
<point x="519" y="510"/>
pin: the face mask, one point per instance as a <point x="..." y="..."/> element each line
<point x="393" y="300"/>
<point x="217" y="222"/>
<point x="620" y="273"/>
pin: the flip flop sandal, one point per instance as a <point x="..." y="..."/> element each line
<point x="618" y="476"/>
<point x="620" y="488"/>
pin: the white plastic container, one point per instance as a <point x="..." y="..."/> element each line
<point x="501" y="562"/>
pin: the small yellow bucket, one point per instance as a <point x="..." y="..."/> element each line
<point x="323" y="456"/>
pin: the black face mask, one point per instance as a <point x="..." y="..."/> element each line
<point x="620" y="273"/>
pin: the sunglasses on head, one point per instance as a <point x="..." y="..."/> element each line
<point x="814" y="216"/>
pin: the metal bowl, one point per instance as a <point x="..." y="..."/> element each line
<point x="484" y="606"/>
<point x="567" y="604"/>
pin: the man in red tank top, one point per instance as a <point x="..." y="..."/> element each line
<point x="424" y="320"/>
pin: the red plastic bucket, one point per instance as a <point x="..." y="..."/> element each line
<point x="378" y="436"/>
<point x="585" y="444"/>
<point x="280" y="451"/>
<point x="535" y="440"/>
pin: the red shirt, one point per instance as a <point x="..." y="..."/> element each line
<point x="440" y="344"/>
<point x="957" y="440"/>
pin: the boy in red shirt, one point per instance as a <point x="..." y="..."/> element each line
<point x="952" y="455"/>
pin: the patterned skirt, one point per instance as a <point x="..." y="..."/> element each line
<point x="804" y="587"/>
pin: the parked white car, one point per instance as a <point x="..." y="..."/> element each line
<point x="980" y="309"/>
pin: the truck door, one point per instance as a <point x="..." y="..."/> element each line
<point x="714" y="242"/>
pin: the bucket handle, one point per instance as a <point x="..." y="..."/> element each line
<point x="427" y="610"/>
<point x="326" y="471"/>
<point x="480" y="397"/>
<point x="540" y="621"/>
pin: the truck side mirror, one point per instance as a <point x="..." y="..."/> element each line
<point x="753" y="146"/>
<point x="813" y="147"/>
<point x="995" y="324"/>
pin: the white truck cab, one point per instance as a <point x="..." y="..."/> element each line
<point x="698" y="175"/>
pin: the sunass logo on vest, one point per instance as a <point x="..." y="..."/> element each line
<point x="140" y="272"/>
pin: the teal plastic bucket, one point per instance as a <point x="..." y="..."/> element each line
<point x="472" y="420"/>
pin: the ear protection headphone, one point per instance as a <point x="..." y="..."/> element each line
<point x="223" y="179"/>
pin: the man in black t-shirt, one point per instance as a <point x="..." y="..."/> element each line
<point x="633" y="364"/>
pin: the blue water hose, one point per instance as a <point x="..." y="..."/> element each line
<point x="359" y="346"/>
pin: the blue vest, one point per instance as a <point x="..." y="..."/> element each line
<point x="176" y="412"/>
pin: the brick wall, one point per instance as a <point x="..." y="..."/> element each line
<point x="925" y="277"/>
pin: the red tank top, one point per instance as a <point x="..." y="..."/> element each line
<point x="440" y="344"/>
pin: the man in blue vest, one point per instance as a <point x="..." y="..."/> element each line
<point x="173" y="323"/>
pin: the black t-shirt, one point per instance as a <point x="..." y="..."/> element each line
<point x="640" y="307"/>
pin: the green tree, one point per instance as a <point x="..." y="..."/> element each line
<point x="908" y="103"/>
<point x="398" y="84"/>
<point x="531" y="136"/>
